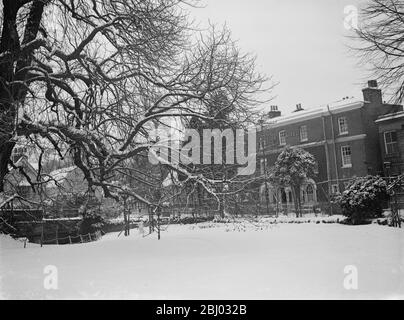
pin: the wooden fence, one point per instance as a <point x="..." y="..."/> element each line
<point x="81" y="238"/>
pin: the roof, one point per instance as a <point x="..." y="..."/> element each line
<point x="62" y="174"/>
<point x="335" y="107"/>
<point x="23" y="162"/>
<point x="29" y="168"/>
<point x="170" y="180"/>
<point x="391" y="116"/>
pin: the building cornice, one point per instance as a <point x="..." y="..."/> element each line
<point x="305" y="145"/>
<point x="316" y="143"/>
<point x="348" y="138"/>
<point x="393" y="116"/>
<point x="312" y="114"/>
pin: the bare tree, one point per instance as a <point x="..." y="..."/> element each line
<point x="90" y="78"/>
<point x="381" y="35"/>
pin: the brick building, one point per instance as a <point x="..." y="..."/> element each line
<point x="16" y="181"/>
<point x="391" y="139"/>
<point x="343" y="137"/>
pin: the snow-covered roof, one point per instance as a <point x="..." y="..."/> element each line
<point x="391" y="116"/>
<point x="335" y="107"/>
<point x="61" y="174"/>
<point x="171" y="179"/>
<point x="29" y="169"/>
<point x="24" y="162"/>
<point x="24" y="183"/>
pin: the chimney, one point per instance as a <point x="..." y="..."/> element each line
<point x="274" y="112"/>
<point x="372" y="84"/>
<point x="298" y="107"/>
<point x="372" y="93"/>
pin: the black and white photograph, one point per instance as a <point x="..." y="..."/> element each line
<point x="201" y="150"/>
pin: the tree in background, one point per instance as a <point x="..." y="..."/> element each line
<point x="381" y="37"/>
<point x="363" y="199"/>
<point x="91" y="78"/>
<point x="293" y="167"/>
<point x="222" y="115"/>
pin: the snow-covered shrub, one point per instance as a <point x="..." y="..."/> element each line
<point x="91" y="223"/>
<point x="222" y="220"/>
<point x="363" y="199"/>
<point x="72" y="203"/>
<point x="293" y="167"/>
<point x="191" y="220"/>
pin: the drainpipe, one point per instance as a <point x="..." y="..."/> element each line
<point x="327" y="158"/>
<point x="327" y="155"/>
<point x="334" y="147"/>
<point x="265" y="167"/>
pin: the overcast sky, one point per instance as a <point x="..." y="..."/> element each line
<point x="301" y="43"/>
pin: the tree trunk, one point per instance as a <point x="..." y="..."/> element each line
<point x="222" y="207"/>
<point x="5" y="154"/>
<point x="9" y="43"/>
<point x="10" y="95"/>
<point x="158" y="222"/>
<point x="296" y="198"/>
<point x="125" y="218"/>
<point x="128" y="221"/>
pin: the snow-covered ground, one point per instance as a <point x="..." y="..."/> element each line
<point x="213" y="261"/>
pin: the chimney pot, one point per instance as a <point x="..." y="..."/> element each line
<point x="372" y="93"/>
<point x="372" y="83"/>
<point x="299" y="107"/>
<point x="274" y="112"/>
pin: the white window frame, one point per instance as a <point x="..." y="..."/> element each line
<point x="343" y="125"/>
<point x="18" y="152"/>
<point x="312" y="194"/>
<point x="385" y="142"/>
<point x="334" y="188"/>
<point x="344" y="164"/>
<point x="305" y="137"/>
<point x="282" y="135"/>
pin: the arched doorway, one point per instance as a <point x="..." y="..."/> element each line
<point x="268" y="192"/>
<point x="309" y="192"/>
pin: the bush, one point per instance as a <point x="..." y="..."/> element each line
<point x="191" y="220"/>
<point x="363" y="199"/>
<point x="91" y="223"/>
